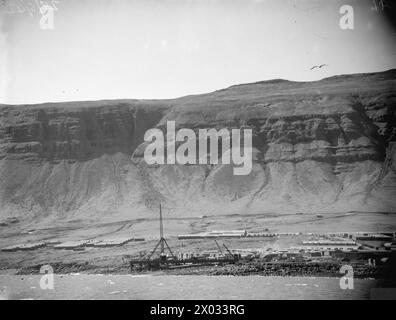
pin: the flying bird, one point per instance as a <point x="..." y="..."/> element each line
<point x="322" y="65"/>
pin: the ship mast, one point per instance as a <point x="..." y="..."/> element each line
<point x="162" y="240"/>
<point x="162" y="243"/>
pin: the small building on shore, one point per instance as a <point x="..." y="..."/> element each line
<point x="375" y="241"/>
<point x="214" y="234"/>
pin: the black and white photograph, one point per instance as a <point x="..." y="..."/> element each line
<point x="191" y="150"/>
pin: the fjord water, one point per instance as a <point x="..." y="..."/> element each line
<point x="84" y="286"/>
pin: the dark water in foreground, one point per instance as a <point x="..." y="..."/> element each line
<point x="182" y="287"/>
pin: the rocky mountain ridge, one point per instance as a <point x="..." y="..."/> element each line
<point x="323" y="146"/>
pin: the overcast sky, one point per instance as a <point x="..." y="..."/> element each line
<point x="170" y="48"/>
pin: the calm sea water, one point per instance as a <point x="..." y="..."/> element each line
<point x="82" y="286"/>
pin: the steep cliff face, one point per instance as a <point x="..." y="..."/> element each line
<point x="319" y="146"/>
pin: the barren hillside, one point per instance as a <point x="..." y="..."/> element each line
<point x="324" y="146"/>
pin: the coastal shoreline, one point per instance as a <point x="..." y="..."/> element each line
<point x="241" y="268"/>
